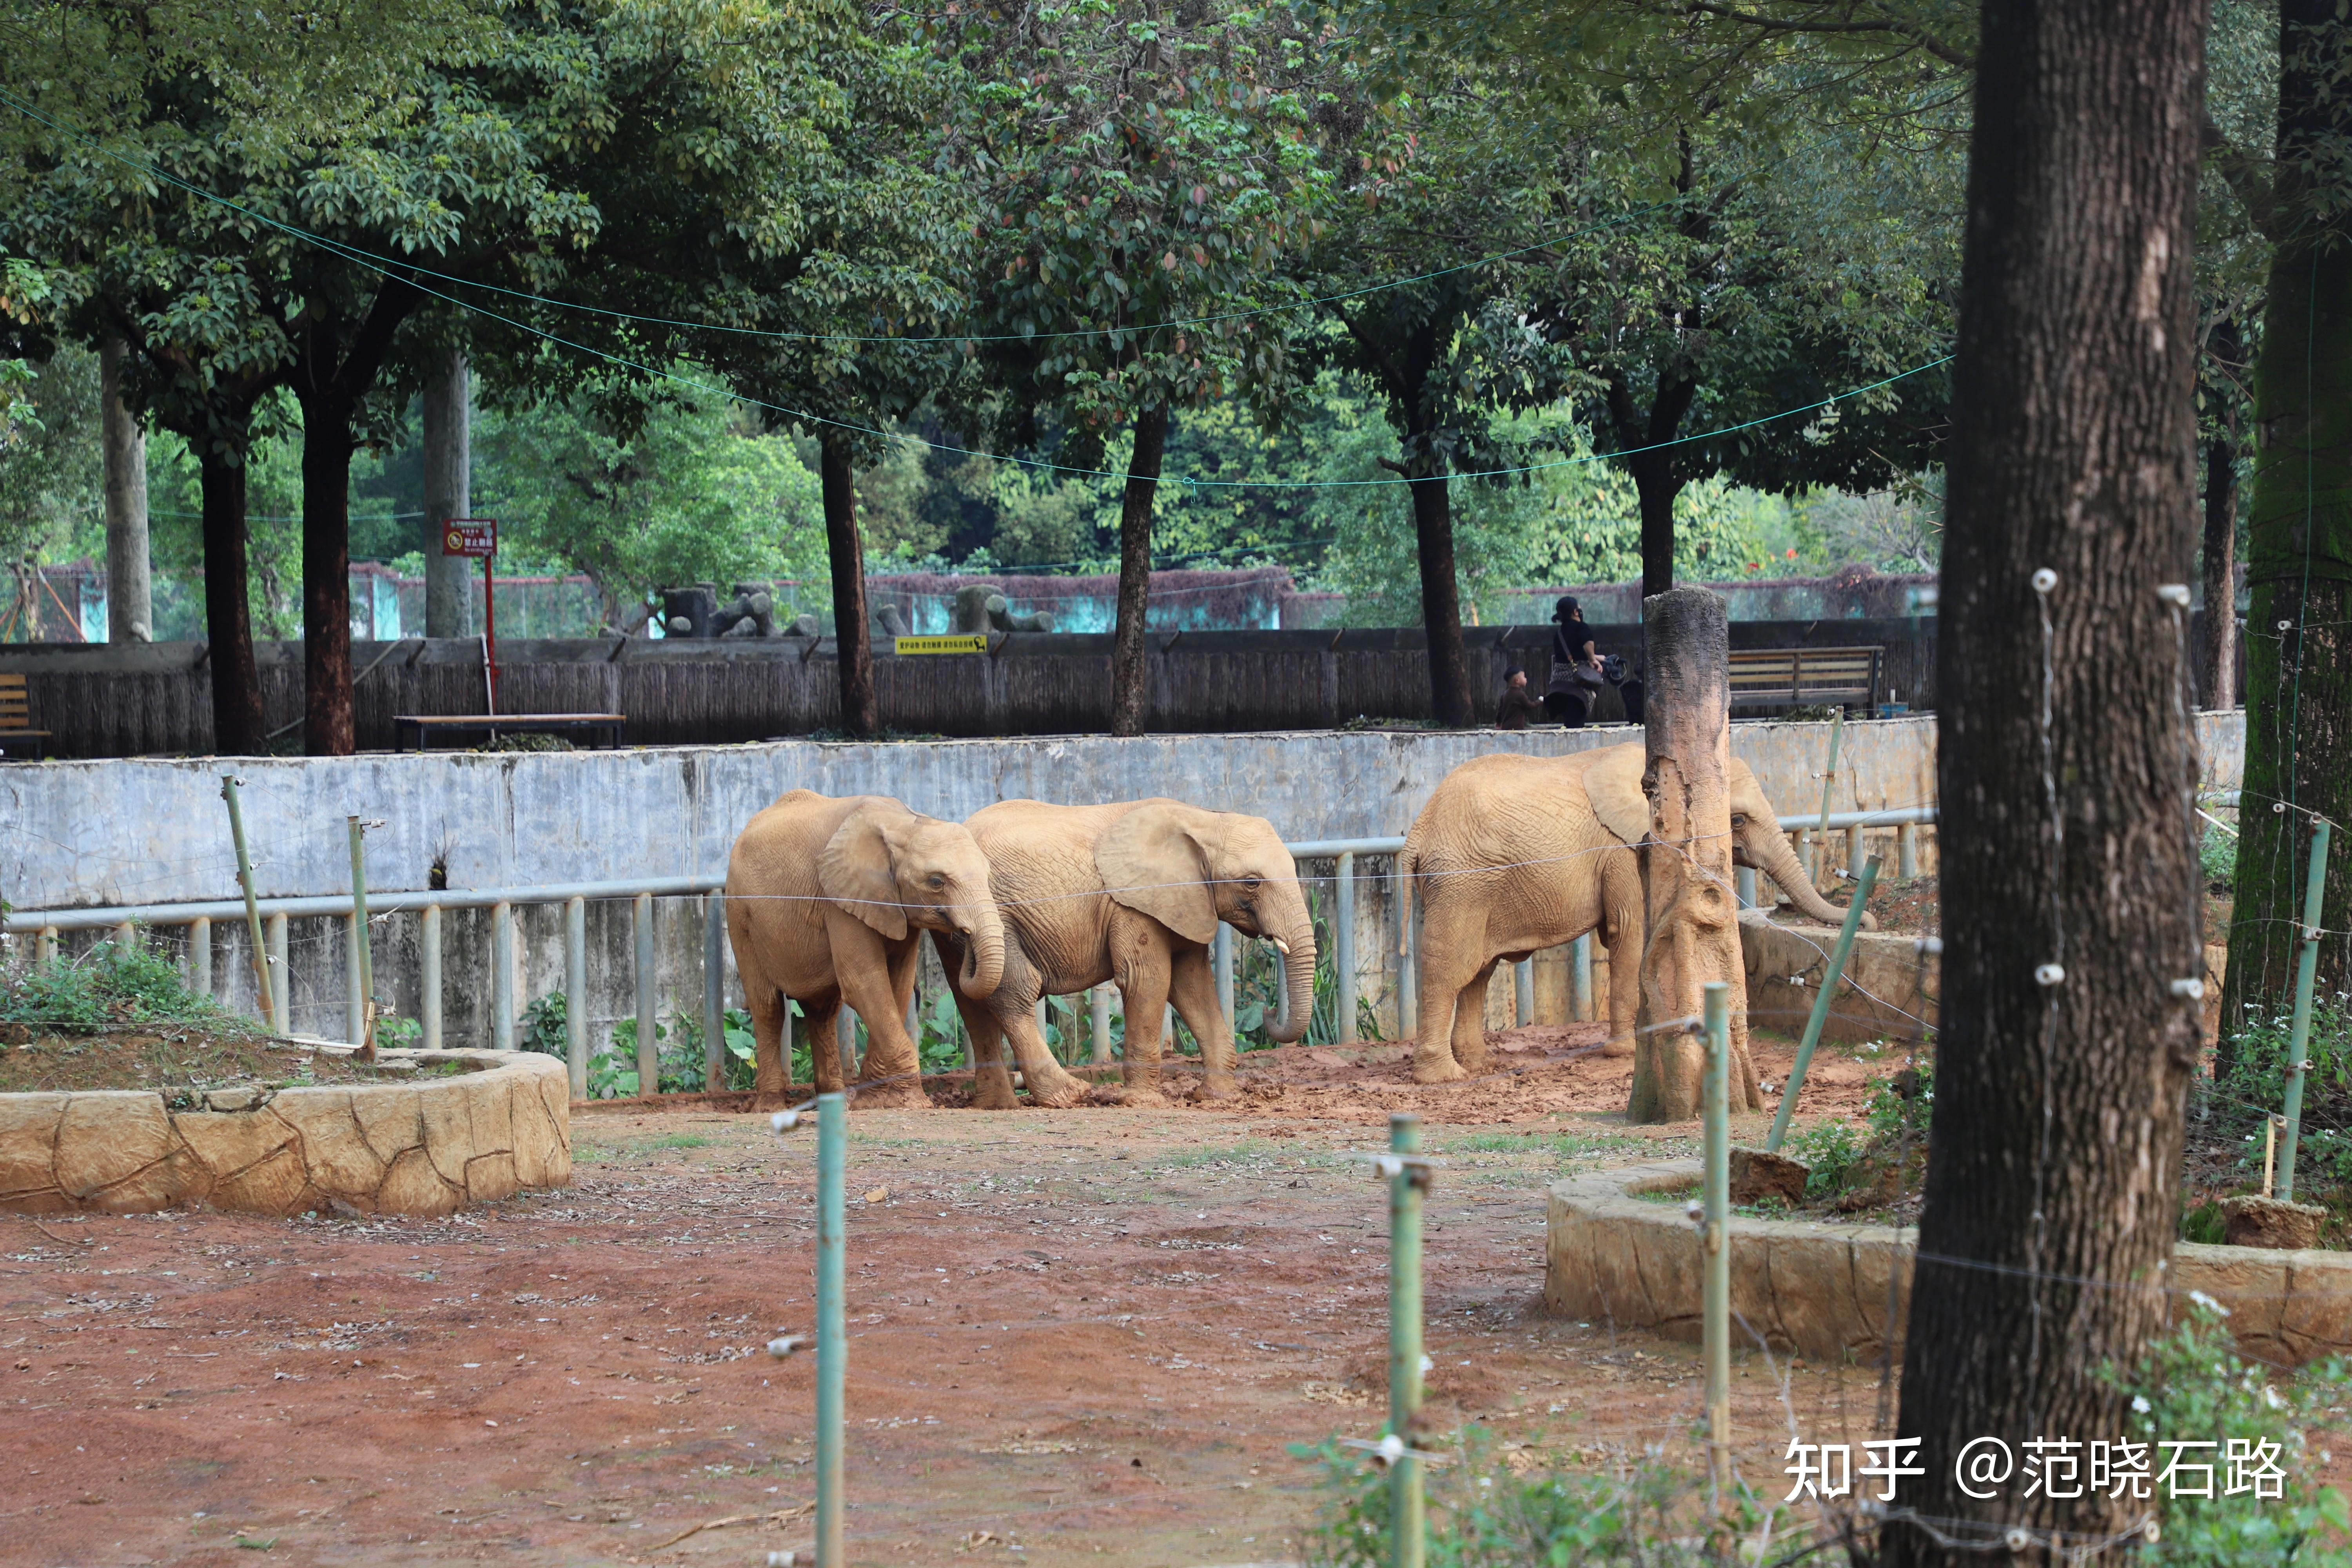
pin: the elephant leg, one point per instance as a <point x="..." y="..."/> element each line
<point x="1143" y="996"/>
<point x="991" y="1084"/>
<point x="1049" y="1087"/>
<point x="820" y="1015"/>
<point x="1193" y="987"/>
<point x="771" y="1052"/>
<point x="868" y="971"/>
<point x="1469" y="1034"/>
<point x="1452" y="950"/>
<point x="1621" y="928"/>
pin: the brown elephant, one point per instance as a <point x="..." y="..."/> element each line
<point x="826" y="903"/>
<point x="1514" y="854"/>
<point x="1129" y="895"/>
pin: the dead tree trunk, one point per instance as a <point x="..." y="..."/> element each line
<point x="1690" y="914"/>
<point x="2065" y="765"/>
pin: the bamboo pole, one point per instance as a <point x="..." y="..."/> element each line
<point x="2315" y="890"/>
<point x="263" y="991"/>
<point x="1828" y="783"/>
<point x="1407" y="1509"/>
<point x="1820" y="1013"/>
<point x="832" y="1332"/>
<point x="1716" y="1327"/>
<point x="362" y="948"/>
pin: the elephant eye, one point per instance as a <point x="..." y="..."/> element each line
<point x="1739" y="819"/>
<point x="939" y="879"/>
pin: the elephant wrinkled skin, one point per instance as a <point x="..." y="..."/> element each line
<point x="826" y="903"/>
<point x="1514" y="854"/>
<point x="1129" y="894"/>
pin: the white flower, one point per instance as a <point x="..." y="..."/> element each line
<point x="2271" y="1397"/>
<point x="2140" y="1404"/>
<point x="2208" y="1302"/>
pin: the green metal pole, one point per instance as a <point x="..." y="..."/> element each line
<point x="1407" y="1521"/>
<point x="2314" y="890"/>
<point x="1828" y="783"/>
<point x="1715" y="1305"/>
<point x="362" y="954"/>
<point x="832" y="1334"/>
<point x="1830" y="976"/>
<point x="263" y="990"/>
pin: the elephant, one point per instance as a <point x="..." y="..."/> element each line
<point x="1129" y="894"/>
<point x="827" y="902"/>
<point x="1514" y="854"/>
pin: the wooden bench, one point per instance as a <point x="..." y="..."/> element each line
<point x="1785" y="677"/>
<point x="16" y="717"/>
<point x="604" y="727"/>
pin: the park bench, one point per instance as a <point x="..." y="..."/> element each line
<point x="16" y="717"/>
<point x="1784" y="677"/>
<point x="605" y="728"/>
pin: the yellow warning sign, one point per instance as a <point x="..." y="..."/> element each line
<point x="975" y="642"/>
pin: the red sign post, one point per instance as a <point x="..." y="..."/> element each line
<point x="479" y="536"/>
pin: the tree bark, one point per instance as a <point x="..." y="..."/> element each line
<point x="129" y="593"/>
<point x="861" y="712"/>
<point x="1131" y="668"/>
<point x="1690" y="913"/>
<point x="327" y="725"/>
<point x="238" y="728"/>
<point x="1643" y="434"/>
<point x="2054" y="1158"/>
<point x="2217" y="664"/>
<point x="1451" y="702"/>
<point x="2298" y="545"/>
<point x="1656" y="486"/>
<point x="448" y="492"/>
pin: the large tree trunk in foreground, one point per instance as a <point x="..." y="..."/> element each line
<point x="237" y="725"/>
<point x="1131" y="668"/>
<point x="1690" y="914"/>
<point x="1451" y="702"/>
<point x="129" y="598"/>
<point x="2053" y="1157"/>
<point x="861" y="711"/>
<point x="327" y="730"/>
<point x="448" y="492"/>
<point x="2298" y="547"/>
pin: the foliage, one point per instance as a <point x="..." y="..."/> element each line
<point x="2217" y="853"/>
<point x="1833" y="1155"/>
<point x="2252" y="1085"/>
<point x="49" y="463"/>
<point x="2194" y="1383"/>
<point x="545" y="1026"/>
<point x="109" y="986"/>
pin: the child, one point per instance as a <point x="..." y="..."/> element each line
<point x="1520" y="704"/>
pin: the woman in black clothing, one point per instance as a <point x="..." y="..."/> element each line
<point x="1575" y="667"/>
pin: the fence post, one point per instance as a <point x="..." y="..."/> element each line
<point x="363" y="941"/>
<point x="1222" y="961"/>
<point x="648" y="1048"/>
<point x="45" y="952"/>
<point x="265" y="994"/>
<point x="714" y="992"/>
<point x="1745" y="881"/>
<point x="428" y="944"/>
<point x="502" y="998"/>
<point x="832" y="1332"/>
<point x="575" y="994"/>
<point x="1099" y="1007"/>
<point x="1716" y="1302"/>
<point x="1343" y="945"/>
<point x="1907" y="850"/>
<point x="1580" y="983"/>
<point x="279" y="976"/>
<point x="1820" y="1013"/>
<point x="2315" y="890"/>
<point x="354" y="1003"/>
<point x="1523" y="991"/>
<point x="200" y="956"/>
<point x="1409" y="973"/>
<point x="1854" y="851"/>
<point x="1828" y="783"/>
<point x="1407" y="1527"/>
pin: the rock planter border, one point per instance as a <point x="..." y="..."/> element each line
<point x="1822" y="1290"/>
<point x="423" y="1148"/>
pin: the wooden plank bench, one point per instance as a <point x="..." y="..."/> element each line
<point x="604" y="727"/>
<point x="1784" y="677"/>
<point x="16" y="717"/>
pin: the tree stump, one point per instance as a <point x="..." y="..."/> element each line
<point x="1691" y="915"/>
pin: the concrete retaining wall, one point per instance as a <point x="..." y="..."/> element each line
<point x="1831" y="1291"/>
<point x="426" y="1147"/>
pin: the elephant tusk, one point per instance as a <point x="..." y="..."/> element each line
<point x="1280" y="946"/>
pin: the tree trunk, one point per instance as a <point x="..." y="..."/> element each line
<point x="1131" y="667"/>
<point x="2053" y="1159"/>
<point x="2298" y="547"/>
<point x="861" y="712"/>
<point x="2217" y="664"/>
<point x="327" y="727"/>
<point x="130" y="595"/>
<point x="1656" y="486"/>
<point x="448" y="492"/>
<point x="1451" y="702"/>
<point x="238" y="728"/>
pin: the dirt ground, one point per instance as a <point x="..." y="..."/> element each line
<point x="1088" y="1336"/>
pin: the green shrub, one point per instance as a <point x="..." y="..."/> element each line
<point x="2255" y="1085"/>
<point x="1834" y="1153"/>
<point x="109" y="986"/>
<point x="2216" y="852"/>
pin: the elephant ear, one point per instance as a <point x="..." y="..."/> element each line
<point x="1614" y="785"/>
<point x="1155" y="860"/>
<point x="854" y="866"/>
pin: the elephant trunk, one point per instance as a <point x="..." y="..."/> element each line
<point x="1297" y="981"/>
<point x="1769" y="847"/>
<point x="983" y="957"/>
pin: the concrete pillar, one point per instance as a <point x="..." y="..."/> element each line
<point x="448" y="492"/>
<point x="130" y="591"/>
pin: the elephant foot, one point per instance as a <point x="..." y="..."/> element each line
<point x="998" y="1096"/>
<point x="892" y="1094"/>
<point x="1441" y="1071"/>
<point x="1217" y="1088"/>
<point x="1059" y="1093"/>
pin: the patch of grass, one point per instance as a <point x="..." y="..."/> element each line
<point x="675" y="1140"/>
<point x="1251" y="1150"/>
<point x="108" y="987"/>
<point x="1552" y="1145"/>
